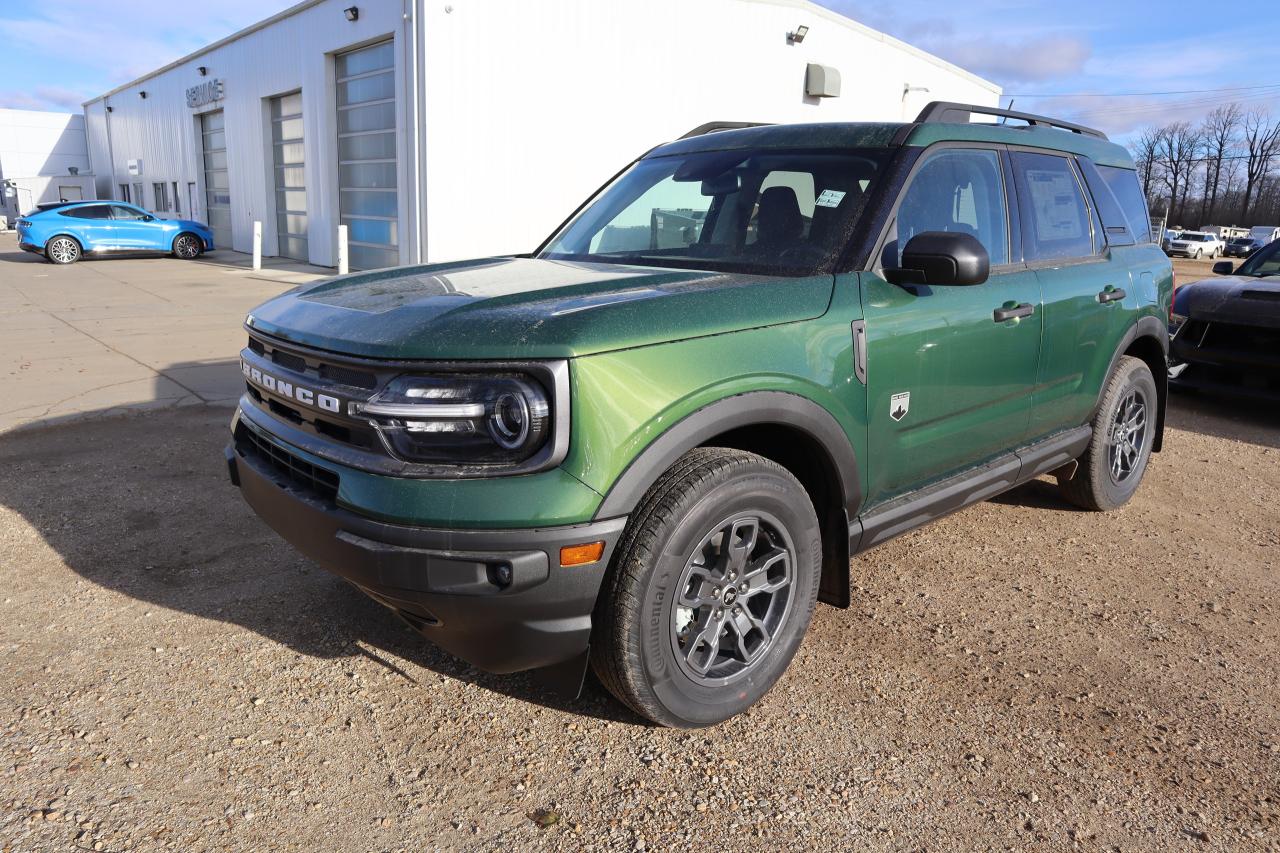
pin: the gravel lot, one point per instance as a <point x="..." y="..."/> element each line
<point x="1018" y="676"/>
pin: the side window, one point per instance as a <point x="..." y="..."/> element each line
<point x="1105" y="205"/>
<point x="1124" y="183"/>
<point x="1055" y="218"/>
<point x="93" y="211"/>
<point x="959" y="191"/>
<point x="119" y="211"/>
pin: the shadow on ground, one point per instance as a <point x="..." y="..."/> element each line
<point x="141" y="504"/>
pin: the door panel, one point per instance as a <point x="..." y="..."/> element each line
<point x="970" y="378"/>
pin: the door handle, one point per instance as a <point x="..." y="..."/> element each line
<point x="1013" y="312"/>
<point x="1111" y="294"/>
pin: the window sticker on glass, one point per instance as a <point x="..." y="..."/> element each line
<point x="829" y="198"/>
<point x="1056" y="200"/>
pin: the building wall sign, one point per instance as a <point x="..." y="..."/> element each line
<point x="206" y="93"/>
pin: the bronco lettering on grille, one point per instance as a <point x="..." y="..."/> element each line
<point x="306" y="396"/>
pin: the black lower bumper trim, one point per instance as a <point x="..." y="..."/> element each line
<point x="498" y="599"/>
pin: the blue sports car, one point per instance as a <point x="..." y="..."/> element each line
<point x="65" y="232"/>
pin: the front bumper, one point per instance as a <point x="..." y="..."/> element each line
<point x="1230" y="358"/>
<point x="442" y="581"/>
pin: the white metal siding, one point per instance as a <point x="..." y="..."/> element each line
<point x="294" y="53"/>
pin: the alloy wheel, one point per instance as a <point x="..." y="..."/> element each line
<point x="63" y="250"/>
<point x="186" y="247"/>
<point x="1128" y="436"/>
<point x="732" y="599"/>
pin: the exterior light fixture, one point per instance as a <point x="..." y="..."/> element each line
<point x="73" y="170"/>
<point x="143" y="94"/>
<point x="907" y="89"/>
<point x="202" y="70"/>
<point x="111" y="109"/>
<point x="798" y="35"/>
<point x="352" y="13"/>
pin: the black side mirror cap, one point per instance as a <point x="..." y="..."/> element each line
<point x="942" y="258"/>
<point x="1224" y="268"/>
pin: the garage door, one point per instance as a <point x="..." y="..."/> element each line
<point x="216" y="188"/>
<point x="291" y="186"/>
<point x="367" y="155"/>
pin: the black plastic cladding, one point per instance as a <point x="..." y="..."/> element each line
<point x="351" y="441"/>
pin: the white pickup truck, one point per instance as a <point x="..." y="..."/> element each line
<point x="1195" y="244"/>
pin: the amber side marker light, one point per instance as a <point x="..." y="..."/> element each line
<point x="581" y="555"/>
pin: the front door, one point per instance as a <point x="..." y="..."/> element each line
<point x="132" y="230"/>
<point x="949" y="379"/>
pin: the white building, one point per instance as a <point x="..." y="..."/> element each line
<point x="43" y="157"/>
<point x="444" y="129"/>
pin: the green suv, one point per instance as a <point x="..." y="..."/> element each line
<point x="654" y="444"/>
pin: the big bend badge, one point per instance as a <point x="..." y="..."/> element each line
<point x="899" y="405"/>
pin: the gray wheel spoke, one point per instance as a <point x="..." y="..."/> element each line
<point x="745" y="624"/>
<point x="757" y="576"/>
<point x="741" y="540"/>
<point x="704" y="646"/>
<point x="698" y="591"/>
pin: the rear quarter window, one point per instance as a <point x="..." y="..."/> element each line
<point x="1124" y="185"/>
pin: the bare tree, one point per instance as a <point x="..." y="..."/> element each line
<point x="1262" y="144"/>
<point x="1179" y="148"/>
<point x="1146" y="153"/>
<point x="1219" y="130"/>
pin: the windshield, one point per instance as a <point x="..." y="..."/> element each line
<point x="754" y="211"/>
<point x="1264" y="262"/>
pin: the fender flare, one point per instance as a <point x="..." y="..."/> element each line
<point x="45" y="247"/>
<point x="750" y="409"/>
<point x="1147" y="326"/>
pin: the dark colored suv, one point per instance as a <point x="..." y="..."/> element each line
<point x="655" y="443"/>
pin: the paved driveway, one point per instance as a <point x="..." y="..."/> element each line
<point x="104" y="335"/>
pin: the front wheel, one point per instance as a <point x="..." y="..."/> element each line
<point x="63" y="250"/>
<point x="710" y="591"/>
<point x="1124" y="430"/>
<point x="187" y="247"/>
<point x="1198" y="254"/>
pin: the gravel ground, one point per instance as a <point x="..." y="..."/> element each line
<point x="1017" y="676"/>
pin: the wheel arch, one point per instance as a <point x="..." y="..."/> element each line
<point x="1148" y="340"/>
<point x="55" y="236"/>
<point x="791" y="430"/>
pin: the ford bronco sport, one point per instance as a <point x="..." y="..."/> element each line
<point x="654" y="444"/>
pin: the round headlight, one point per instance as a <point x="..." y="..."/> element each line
<point x="509" y="422"/>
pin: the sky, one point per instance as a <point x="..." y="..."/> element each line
<point x="1092" y="61"/>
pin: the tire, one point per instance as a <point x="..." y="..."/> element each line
<point x="648" y="649"/>
<point x="187" y="246"/>
<point x="1198" y="253"/>
<point x="63" y="249"/>
<point x="1112" y="466"/>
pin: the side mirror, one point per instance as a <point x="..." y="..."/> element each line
<point x="1224" y="268"/>
<point x="942" y="258"/>
<point x="148" y="218"/>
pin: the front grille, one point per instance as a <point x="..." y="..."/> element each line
<point x="289" y="360"/>
<point x="348" y="376"/>
<point x="1238" y="337"/>
<point x="312" y="479"/>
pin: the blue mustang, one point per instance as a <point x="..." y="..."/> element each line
<point x="65" y="232"/>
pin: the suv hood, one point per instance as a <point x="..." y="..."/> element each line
<point x="1246" y="300"/>
<point x="529" y="308"/>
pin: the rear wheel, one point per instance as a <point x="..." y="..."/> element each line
<point x="63" y="250"/>
<point x="187" y="246"/>
<point x="1123" y="431"/>
<point x="711" y="589"/>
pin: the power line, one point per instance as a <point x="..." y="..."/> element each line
<point x="1148" y="94"/>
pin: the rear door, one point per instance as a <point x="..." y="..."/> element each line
<point x="91" y="225"/>
<point x="949" y="380"/>
<point x="1089" y="294"/>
